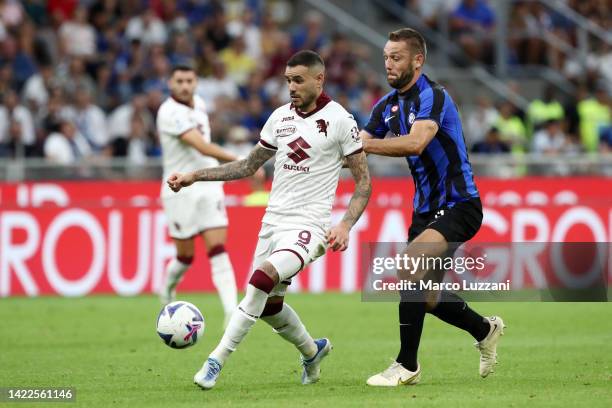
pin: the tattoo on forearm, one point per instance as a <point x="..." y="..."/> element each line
<point x="358" y="165"/>
<point x="237" y="169"/>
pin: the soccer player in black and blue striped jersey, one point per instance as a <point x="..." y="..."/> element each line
<point x="424" y="126"/>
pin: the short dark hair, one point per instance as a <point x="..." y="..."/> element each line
<point x="307" y="58"/>
<point x="412" y="37"/>
<point x="181" y="67"/>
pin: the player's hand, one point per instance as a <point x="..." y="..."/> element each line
<point x="179" y="180"/>
<point x="338" y="237"/>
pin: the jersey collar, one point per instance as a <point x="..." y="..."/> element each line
<point x="183" y="103"/>
<point x="321" y="101"/>
<point x="413" y="90"/>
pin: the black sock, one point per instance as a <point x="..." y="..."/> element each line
<point x="454" y="310"/>
<point x="411" y="316"/>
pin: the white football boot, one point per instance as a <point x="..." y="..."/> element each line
<point x="488" y="346"/>
<point x="206" y="378"/>
<point x="395" y="375"/>
<point x="312" y="366"/>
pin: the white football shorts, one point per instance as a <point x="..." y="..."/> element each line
<point x="289" y="249"/>
<point x="195" y="209"/>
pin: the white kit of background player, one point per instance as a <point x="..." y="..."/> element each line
<point x="184" y="132"/>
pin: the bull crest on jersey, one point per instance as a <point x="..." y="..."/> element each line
<point x="322" y="126"/>
<point x="298" y="146"/>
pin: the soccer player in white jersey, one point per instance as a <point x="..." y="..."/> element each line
<point x="184" y="132"/>
<point x="309" y="138"/>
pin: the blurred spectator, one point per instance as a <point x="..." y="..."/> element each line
<point x="74" y="76"/>
<point x="256" y="115"/>
<point x="11" y="13"/>
<point x="36" y="89"/>
<point x="239" y="65"/>
<point x="271" y="36"/>
<point x="604" y="65"/>
<point x="339" y="57"/>
<point x="218" y="85"/>
<point x="594" y="115"/>
<point x="544" y="109"/>
<point x="605" y="140"/>
<point x="278" y="59"/>
<point x="6" y="78"/>
<point x="182" y="49"/>
<point x="473" y="23"/>
<point x="238" y="141"/>
<point x="309" y="36"/>
<point x="66" y="145"/>
<point x="529" y="21"/>
<point x="217" y="31"/>
<point x="550" y="139"/>
<point x="13" y="146"/>
<point x="119" y="121"/>
<point x="431" y="10"/>
<point x="491" y="144"/>
<point x="480" y="120"/>
<point x="130" y="68"/>
<point x="511" y="128"/>
<point x="89" y="119"/>
<point x="16" y="123"/>
<point x="147" y="28"/>
<point x="245" y="27"/>
<point x="137" y="142"/>
<point x="20" y="54"/>
<point x="77" y="36"/>
<point x="61" y="10"/>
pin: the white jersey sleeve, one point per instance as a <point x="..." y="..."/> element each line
<point x="348" y="135"/>
<point x="176" y="121"/>
<point x="267" y="137"/>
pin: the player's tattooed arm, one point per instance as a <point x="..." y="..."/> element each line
<point x="358" y="164"/>
<point x="230" y="171"/>
<point x="337" y="236"/>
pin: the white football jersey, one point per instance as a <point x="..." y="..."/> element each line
<point x="173" y="119"/>
<point x="309" y="152"/>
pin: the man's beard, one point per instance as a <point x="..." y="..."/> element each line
<point x="306" y="101"/>
<point x="402" y="81"/>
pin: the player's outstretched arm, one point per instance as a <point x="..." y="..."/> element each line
<point x="229" y="171"/>
<point x="194" y="138"/>
<point x="413" y="144"/>
<point x="338" y="235"/>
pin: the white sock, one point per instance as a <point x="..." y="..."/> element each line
<point x="243" y="318"/>
<point x="174" y="272"/>
<point x="225" y="282"/>
<point x="288" y="325"/>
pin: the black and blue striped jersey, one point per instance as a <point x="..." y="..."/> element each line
<point x="442" y="174"/>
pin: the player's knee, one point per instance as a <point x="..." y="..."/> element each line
<point x="274" y="305"/>
<point x="185" y="259"/>
<point x="216" y="250"/>
<point x="285" y="263"/>
<point x="262" y="281"/>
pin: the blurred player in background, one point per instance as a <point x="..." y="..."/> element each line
<point x="184" y="132"/>
<point x="447" y="208"/>
<point x="309" y="139"/>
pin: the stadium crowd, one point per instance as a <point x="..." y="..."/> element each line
<point x="84" y="79"/>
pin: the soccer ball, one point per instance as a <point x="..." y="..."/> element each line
<point x="180" y="324"/>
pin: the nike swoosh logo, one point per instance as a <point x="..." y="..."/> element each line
<point x="407" y="381"/>
<point x="494" y="329"/>
<point x="389" y="118"/>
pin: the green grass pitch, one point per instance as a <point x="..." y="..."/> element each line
<point x="553" y="354"/>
